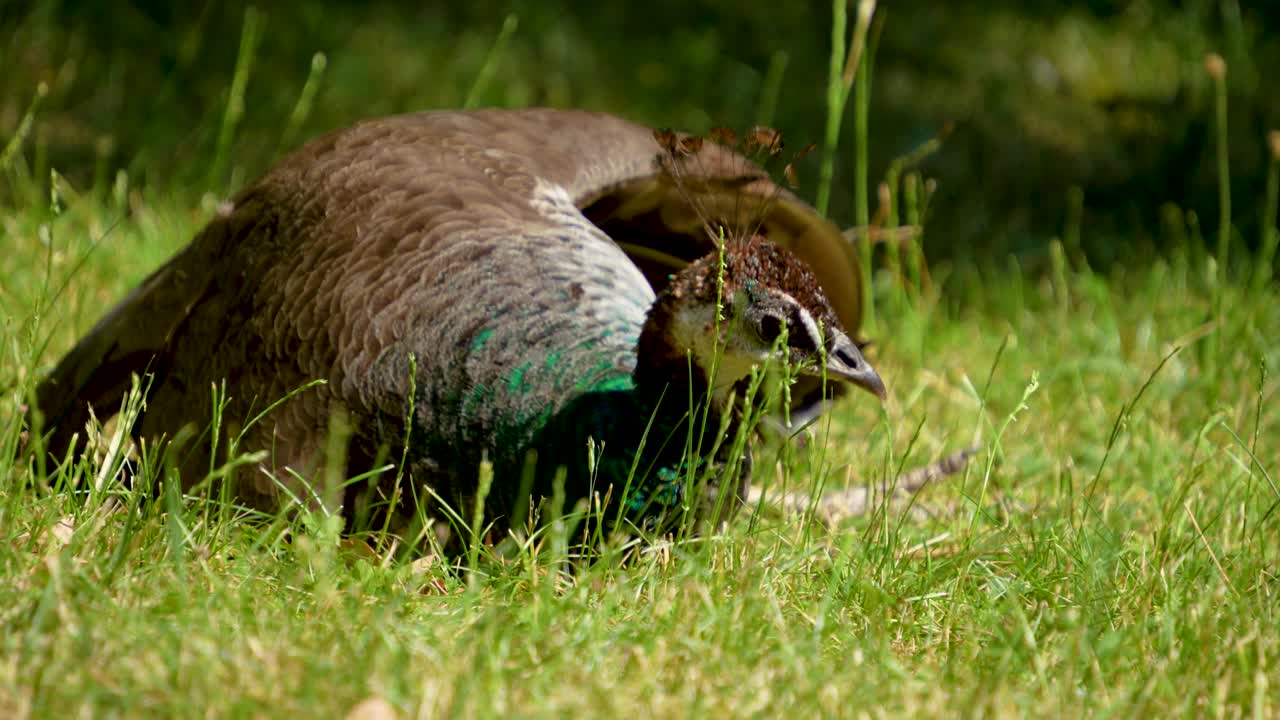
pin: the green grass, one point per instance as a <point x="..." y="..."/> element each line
<point x="1112" y="550"/>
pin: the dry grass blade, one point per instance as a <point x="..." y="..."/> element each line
<point x="835" y="507"/>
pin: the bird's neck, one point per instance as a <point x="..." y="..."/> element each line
<point x="665" y="363"/>
<point x="685" y="345"/>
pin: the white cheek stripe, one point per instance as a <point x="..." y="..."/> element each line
<point x="815" y="333"/>
<point x="810" y="325"/>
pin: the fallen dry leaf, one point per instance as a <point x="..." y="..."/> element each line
<point x="374" y="708"/>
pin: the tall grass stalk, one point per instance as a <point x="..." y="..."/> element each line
<point x="476" y="539"/>
<point x="836" y="93"/>
<point x="1217" y="69"/>
<point x="20" y="135"/>
<point x="1271" y="204"/>
<point x="484" y="78"/>
<point x="861" y="153"/>
<point x="306" y="99"/>
<point x="842" y="70"/>
<point x="861" y="145"/>
<point x="235" y="99"/>
<point x="901" y="189"/>
<point x="771" y="89"/>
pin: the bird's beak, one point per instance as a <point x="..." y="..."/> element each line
<point x="845" y="362"/>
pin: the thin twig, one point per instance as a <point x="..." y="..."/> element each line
<point x="1187" y="506"/>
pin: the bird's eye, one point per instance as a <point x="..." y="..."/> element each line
<point x="771" y="328"/>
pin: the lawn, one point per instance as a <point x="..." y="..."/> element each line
<point x="1111" y="549"/>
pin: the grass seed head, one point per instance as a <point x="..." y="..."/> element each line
<point x="1215" y="66"/>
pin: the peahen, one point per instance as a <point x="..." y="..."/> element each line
<point x="499" y="283"/>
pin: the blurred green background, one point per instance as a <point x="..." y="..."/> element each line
<point x="1043" y="103"/>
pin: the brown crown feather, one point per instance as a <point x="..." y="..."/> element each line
<point x="754" y="260"/>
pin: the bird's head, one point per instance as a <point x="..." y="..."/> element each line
<point x="762" y="293"/>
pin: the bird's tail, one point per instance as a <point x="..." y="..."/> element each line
<point x="130" y="339"/>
